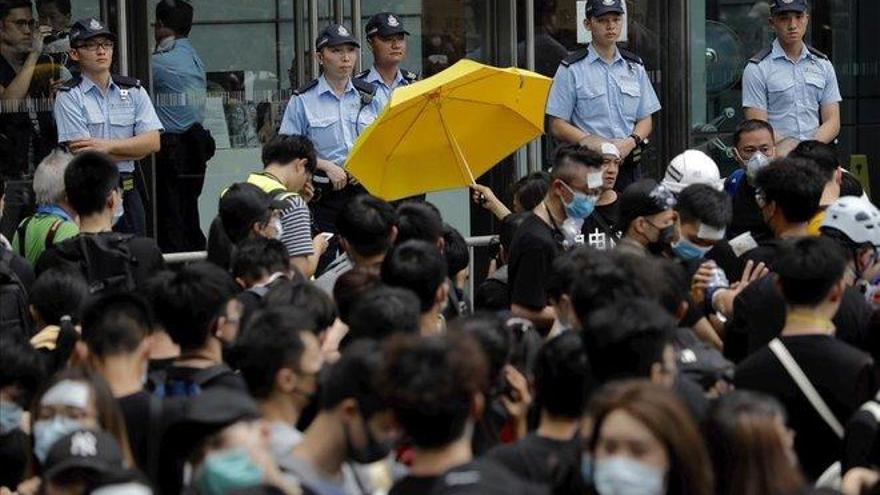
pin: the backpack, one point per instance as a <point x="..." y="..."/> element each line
<point x="14" y="315"/>
<point x="162" y="386"/>
<point x="105" y="260"/>
<point x="48" y="242"/>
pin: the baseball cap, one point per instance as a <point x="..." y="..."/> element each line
<point x="780" y="6"/>
<point x="691" y="167"/>
<point x="88" y="28"/>
<point x="595" y="8"/>
<point x="93" y="450"/>
<point x="644" y="198"/>
<point x="242" y="205"/>
<point x="333" y="35"/>
<point x="385" y="24"/>
<point x="208" y="413"/>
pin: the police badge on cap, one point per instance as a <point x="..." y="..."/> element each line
<point x="596" y="8"/>
<point x="780" y="6"/>
<point x="385" y="24"/>
<point x="334" y="35"/>
<point x="88" y="28"/>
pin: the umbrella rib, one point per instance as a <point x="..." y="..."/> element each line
<point x="469" y="100"/>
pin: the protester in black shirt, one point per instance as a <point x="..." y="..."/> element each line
<point x="647" y="218"/>
<point x="600" y="229"/>
<point x="810" y="275"/>
<point x="556" y="224"/>
<point x="494" y="293"/>
<point x="437" y="407"/>
<point x="823" y="159"/>
<point x="754" y="147"/>
<point x="551" y="455"/>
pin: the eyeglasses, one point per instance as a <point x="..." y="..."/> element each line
<point x="25" y="23"/>
<point x="95" y="45"/>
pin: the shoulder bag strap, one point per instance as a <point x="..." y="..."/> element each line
<point x="797" y="374"/>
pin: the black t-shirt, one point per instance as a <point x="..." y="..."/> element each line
<point x="145" y="251"/>
<point x="746" y="214"/>
<point x="136" y="411"/>
<point x="600" y="229"/>
<point x="478" y="477"/>
<point x="759" y="315"/>
<point x="534" y="247"/>
<point x="546" y="461"/>
<point x="844" y="376"/>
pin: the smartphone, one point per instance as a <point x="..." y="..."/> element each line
<point x="327" y="235"/>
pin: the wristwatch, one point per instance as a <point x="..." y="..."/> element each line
<point x="638" y="139"/>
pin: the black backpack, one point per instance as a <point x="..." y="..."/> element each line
<point x="104" y="259"/>
<point x="163" y="386"/>
<point x="15" y="318"/>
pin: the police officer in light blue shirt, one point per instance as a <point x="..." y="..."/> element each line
<point x="179" y="88"/>
<point x="603" y="94"/>
<point x="386" y="37"/>
<point x="791" y="84"/>
<point x="107" y="113"/>
<point x="332" y="111"/>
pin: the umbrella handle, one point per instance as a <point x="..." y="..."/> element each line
<point x="462" y="161"/>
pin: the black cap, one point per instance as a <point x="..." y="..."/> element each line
<point x="88" y="28"/>
<point x="242" y="205"/>
<point x="644" y="198"/>
<point x="595" y="8"/>
<point x="94" y="450"/>
<point x="335" y="34"/>
<point x="208" y="413"/>
<point x="780" y="6"/>
<point x="385" y="24"/>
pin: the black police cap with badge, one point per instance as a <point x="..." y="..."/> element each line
<point x="385" y="24"/>
<point x="335" y="35"/>
<point x="780" y="6"/>
<point x="88" y="28"/>
<point x="595" y="8"/>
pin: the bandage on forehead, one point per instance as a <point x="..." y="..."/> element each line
<point x="711" y="233"/>
<point x="594" y="180"/>
<point x="67" y="393"/>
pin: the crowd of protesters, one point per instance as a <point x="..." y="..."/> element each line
<point x="693" y="335"/>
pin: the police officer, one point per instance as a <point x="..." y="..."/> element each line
<point x="332" y="111"/>
<point x="386" y="38"/>
<point x="179" y="85"/>
<point x="791" y="84"/>
<point x="107" y="113"/>
<point x="602" y="93"/>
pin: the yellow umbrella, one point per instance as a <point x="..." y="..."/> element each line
<point x="443" y="132"/>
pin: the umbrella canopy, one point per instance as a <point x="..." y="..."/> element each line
<point x="445" y="131"/>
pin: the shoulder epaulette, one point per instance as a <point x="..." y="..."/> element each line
<point x="577" y="56"/>
<point x="410" y="76"/>
<point x="630" y="56"/>
<point x="71" y="83"/>
<point x="363" y="87"/>
<point x="756" y="59"/>
<point x="362" y="74"/>
<point x="302" y="89"/>
<point x="817" y="53"/>
<point x="126" y="82"/>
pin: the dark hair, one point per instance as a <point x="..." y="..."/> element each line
<point x="88" y="180"/>
<point x="562" y="376"/>
<point x="626" y="339"/>
<point x="22" y="368"/>
<point x="63" y="5"/>
<point x="850" y="186"/>
<point x="417" y="266"/>
<point x="351" y="286"/>
<point x="822" y="157"/>
<point x="569" y="265"/>
<point x="176" y="15"/>
<point x="305" y="296"/>
<point x="416" y="220"/>
<point x="746" y="450"/>
<point x="430" y="384"/>
<point x="257" y="257"/>
<point x="807" y="268"/>
<point x="569" y="159"/>
<point x="116" y="324"/>
<point x="220" y="246"/>
<point x="455" y="250"/>
<point x="794" y="185"/>
<point x="188" y="302"/>
<point x="530" y="190"/>
<point x="7" y="5"/>
<point x="671" y="287"/>
<point x="59" y="292"/>
<point x="283" y="149"/>
<point x="270" y="342"/>
<point x="663" y="414"/>
<point x="366" y="222"/>
<point x="382" y="311"/>
<point x="751" y="125"/>
<point x="704" y="203"/>
<point x="494" y="340"/>
<point x="354" y="376"/>
<point x="508" y="227"/>
<point x="600" y="283"/>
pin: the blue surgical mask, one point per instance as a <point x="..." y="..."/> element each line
<point x="688" y="251"/>
<point x="228" y="470"/>
<point x="581" y="206"/>
<point x="624" y="476"/>
<point x="49" y="431"/>
<point x="755" y="164"/>
<point x="10" y="416"/>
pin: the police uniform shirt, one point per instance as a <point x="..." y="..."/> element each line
<point x="83" y="111"/>
<point x="332" y="122"/>
<point x="383" y="91"/>
<point x="602" y="99"/>
<point x="179" y="84"/>
<point x="791" y="92"/>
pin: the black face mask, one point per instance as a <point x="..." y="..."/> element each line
<point x="664" y="239"/>
<point x="372" y="452"/>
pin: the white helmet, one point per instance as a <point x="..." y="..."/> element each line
<point x="691" y="167"/>
<point x="856" y="218"/>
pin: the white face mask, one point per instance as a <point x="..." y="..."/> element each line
<point x="755" y="164"/>
<point x="624" y="476"/>
<point x="119" y="211"/>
